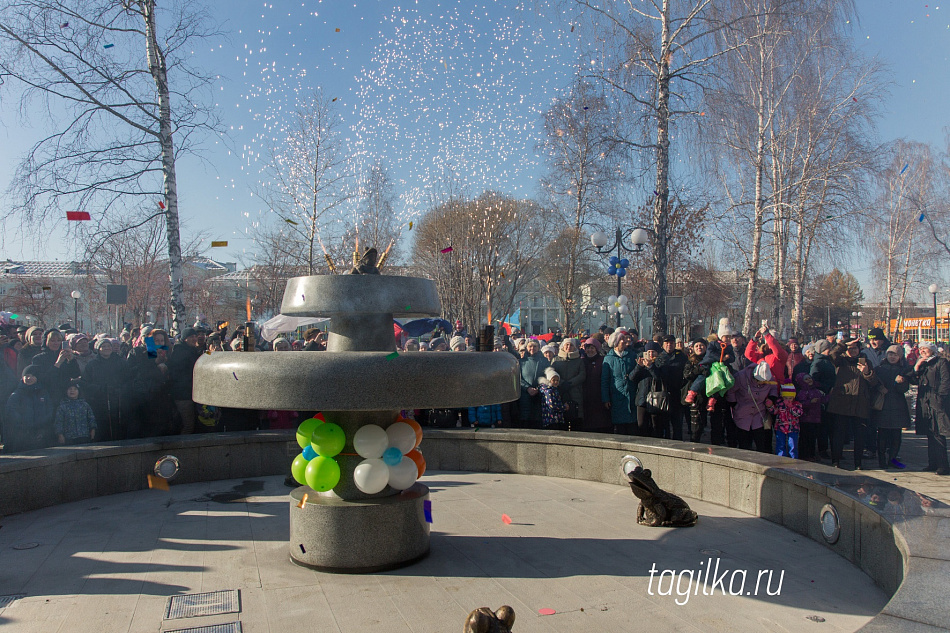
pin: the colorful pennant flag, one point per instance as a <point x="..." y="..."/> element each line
<point x="78" y="215"/>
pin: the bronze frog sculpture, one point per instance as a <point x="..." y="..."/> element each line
<point x="658" y="508"/>
<point x="482" y="620"/>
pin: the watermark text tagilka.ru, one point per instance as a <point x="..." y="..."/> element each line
<point x="709" y="578"/>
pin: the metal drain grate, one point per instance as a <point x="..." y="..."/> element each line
<point x="230" y="627"/>
<point x="6" y="601"/>
<point x="193" y="605"/>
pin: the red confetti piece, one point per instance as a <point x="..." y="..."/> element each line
<point x="448" y="249"/>
<point x="506" y="519"/>
<point x="161" y="205"/>
<point x="546" y="611"/>
<point x="78" y="215"/>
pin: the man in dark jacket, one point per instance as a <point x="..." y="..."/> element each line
<point x="181" y="368"/>
<point x="823" y="373"/>
<point x="28" y="415"/>
<point x="932" y="375"/>
<point x="671" y="364"/>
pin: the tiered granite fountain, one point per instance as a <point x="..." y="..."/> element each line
<point x="359" y="381"/>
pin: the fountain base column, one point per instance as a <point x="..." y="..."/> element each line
<point x="362" y="536"/>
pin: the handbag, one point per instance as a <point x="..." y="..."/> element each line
<point x="657" y="400"/>
<point x="720" y="379"/>
<point x="766" y="417"/>
<point x="877" y="403"/>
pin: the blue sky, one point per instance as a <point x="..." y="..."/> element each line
<point x="425" y="84"/>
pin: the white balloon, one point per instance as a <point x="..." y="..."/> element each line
<point x="611" y="308"/>
<point x="371" y="476"/>
<point x="403" y="474"/>
<point x="612" y="299"/>
<point x="622" y="299"/>
<point x="622" y="309"/>
<point x="402" y="436"/>
<point x="370" y="441"/>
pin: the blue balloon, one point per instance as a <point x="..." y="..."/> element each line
<point x="309" y="453"/>
<point x="613" y="259"/>
<point x="621" y="272"/>
<point x="624" y="263"/>
<point x="611" y="271"/>
<point x="392" y="456"/>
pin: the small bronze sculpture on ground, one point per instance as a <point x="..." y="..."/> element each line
<point x="657" y="507"/>
<point x="482" y="620"/>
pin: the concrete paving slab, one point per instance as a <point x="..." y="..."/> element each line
<point x="573" y="546"/>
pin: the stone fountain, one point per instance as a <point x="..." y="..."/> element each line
<point x="360" y="380"/>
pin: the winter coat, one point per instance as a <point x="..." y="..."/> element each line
<point x="692" y="370"/>
<point x="54" y="378"/>
<point x="106" y="382"/>
<point x="573" y="373"/>
<point x="150" y="404"/>
<point x="750" y="397"/>
<point x="181" y="370"/>
<point x="74" y="419"/>
<point x="811" y="398"/>
<point x="787" y="416"/>
<point x="896" y="413"/>
<point x="25" y="358"/>
<point x="823" y="373"/>
<point x="776" y="360"/>
<point x="933" y="397"/>
<point x="803" y="367"/>
<point x="596" y="416"/>
<point x="794" y="360"/>
<point x="485" y="415"/>
<point x="644" y="379"/>
<point x="10" y="356"/>
<point x="671" y="367"/>
<point x="714" y="353"/>
<point x="28" y="419"/>
<point x="552" y="407"/>
<point x="851" y="394"/>
<point x="615" y="386"/>
<point x="532" y="370"/>
<point x="876" y="357"/>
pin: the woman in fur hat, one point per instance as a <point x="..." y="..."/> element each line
<point x="570" y="366"/>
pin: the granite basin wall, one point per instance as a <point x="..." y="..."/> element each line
<point x="908" y="556"/>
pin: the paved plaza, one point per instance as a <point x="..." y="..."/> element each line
<point x="110" y="564"/>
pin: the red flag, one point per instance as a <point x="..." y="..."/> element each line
<point x="507" y="327"/>
<point x="78" y="215"/>
<point x="546" y="337"/>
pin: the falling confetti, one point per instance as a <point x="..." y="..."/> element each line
<point x="219" y="244"/>
<point x="392" y="356"/>
<point x="64" y="25"/>
<point x="921" y="218"/>
<point x="337" y="30"/>
<point x="506" y="519"/>
<point x="427" y="510"/>
<point x="546" y="611"/>
<point x="108" y="46"/>
<point x="447" y="249"/>
<point x="78" y="215"/>
<point x="289" y="221"/>
<point x="161" y="205"/>
<point x="904" y="169"/>
<point x="302" y="550"/>
<point x="303" y="501"/>
<point x="410" y="226"/>
<point x="235" y="375"/>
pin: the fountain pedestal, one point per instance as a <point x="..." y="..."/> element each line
<point x="358" y="381"/>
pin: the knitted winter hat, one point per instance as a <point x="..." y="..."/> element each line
<point x="549" y="348"/>
<point x="788" y="390"/>
<point x="762" y="372"/>
<point x="33" y="370"/>
<point x="457" y="343"/>
<point x="550" y="373"/>
<point x="615" y="337"/>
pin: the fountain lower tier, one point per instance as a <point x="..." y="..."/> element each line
<point x="335" y="535"/>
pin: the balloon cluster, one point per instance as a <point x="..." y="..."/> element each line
<point x="321" y="441"/>
<point x="390" y="456"/>
<point x="617" y="266"/>
<point x="617" y="304"/>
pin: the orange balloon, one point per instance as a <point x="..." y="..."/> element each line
<point x="415" y="427"/>
<point x="420" y="461"/>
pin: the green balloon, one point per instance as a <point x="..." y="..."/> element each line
<point x="305" y="431"/>
<point x="328" y="439"/>
<point x="323" y="473"/>
<point x="297" y="469"/>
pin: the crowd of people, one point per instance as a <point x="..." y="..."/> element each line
<point x="61" y="386"/>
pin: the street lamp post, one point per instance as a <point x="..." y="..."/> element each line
<point x="638" y="236"/>
<point x="933" y="290"/>
<point x="75" y="294"/>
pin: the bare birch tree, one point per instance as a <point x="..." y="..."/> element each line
<point x="309" y="181"/>
<point x="107" y="75"/>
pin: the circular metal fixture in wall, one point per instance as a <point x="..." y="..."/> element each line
<point x="167" y="467"/>
<point x="629" y="463"/>
<point x="830" y="525"/>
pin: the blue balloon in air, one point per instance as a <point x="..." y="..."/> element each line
<point x="392" y="456"/>
<point x="309" y="453"/>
